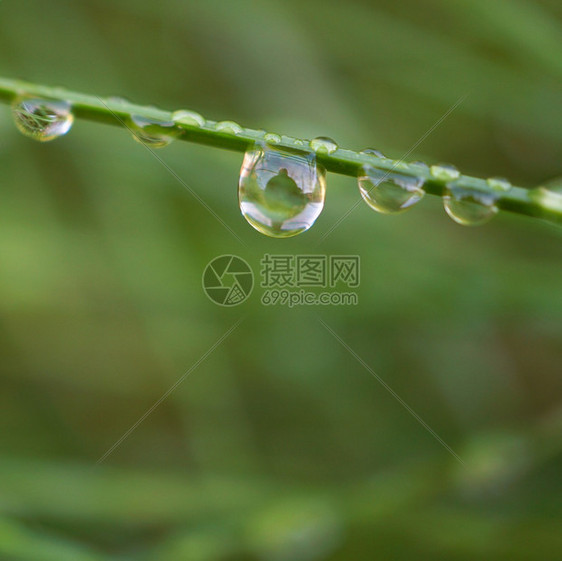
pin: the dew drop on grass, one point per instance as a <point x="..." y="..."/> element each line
<point x="549" y="195"/>
<point x="373" y="152"/>
<point x="152" y="132"/>
<point x="467" y="206"/>
<point x="186" y="117"/>
<point x="389" y="192"/>
<point x="42" y="119"/>
<point x="118" y="100"/>
<point x="323" y="145"/>
<point x="498" y="184"/>
<point x="229" y="127"/>
<point x="272" y="138"/>
<point x="281" y="192"/>
<point x="445" y="172"/>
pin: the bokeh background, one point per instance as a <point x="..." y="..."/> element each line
<point x="280" y="445"/>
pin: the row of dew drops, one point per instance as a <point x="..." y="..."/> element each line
<point x="282" y="191"/>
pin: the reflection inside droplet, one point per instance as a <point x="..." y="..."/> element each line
<point x="42" y="119"/>
<point x="389" y="192"/>
<point x="152" y="132"/>
<point x="281" y="192"/>
<point x="469" y="207"/>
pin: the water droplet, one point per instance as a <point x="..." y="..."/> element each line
<point x="323" y="145"/>
<point x="42" y="119"/>
<point x="281" y="192"/>
<point x="272" y="138"/>
<point x="229" y="127"/>
<point x="299" y="142"/>
<point x="548" y="196"/>
<point x="421" y="165"/>
<point x="498" y="184"/>
<point x="186" y="117"/>
<point x="445" y="172"/>
<point x="467" y="206"/>
<point x="118" y="100"/>
<point x="389" y="192"/>
<point x="373" y="152"/>
<point x="153" y="132"/>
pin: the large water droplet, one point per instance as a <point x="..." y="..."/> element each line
<point x="281" y="192"/>
<point x="323" y="145"/>
<point x="152" y="132"/>
<point x="42" y="119"/>
<point x="186" y="117"/>
<point x="445" y="172"/>
<point x="389" y="192"/>
<point x="469" y="207"/>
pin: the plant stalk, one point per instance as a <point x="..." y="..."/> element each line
<point x="114" y="111"/>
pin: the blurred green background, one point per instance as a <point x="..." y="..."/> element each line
<point x="280" y="445"/>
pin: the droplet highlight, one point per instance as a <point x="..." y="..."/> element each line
<point x="389" y="192"/>
<point x="445" y="172"/>
<point x="281" y="192"/>
<point x="323" y="145"/>
<point x="189" y="118"/>
<point x="469" y="207"/>
<point x="42" y="119"/>
<point x="152" y="132"/>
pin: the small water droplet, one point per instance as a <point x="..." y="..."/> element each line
<point x="421" y="165"/>
<point x="549" y="195"/>
<point x="373" y="152"/>
<point x="186" y="117"/>
<point x="42" y="119"/>
<point x="498" y="184"/>
<point x="467" y="206"/>
<point x="281" y="192"/>
<point x="272" y="138"/>
<point x="323" y="145"/>
<point x="118" y="100"/>
<point x="389" y="192"/>
<point x="153" y="132"/>
<point x="299" y="142"/>
<point x="445" y="172"/>
<point x="229" y="127"/>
